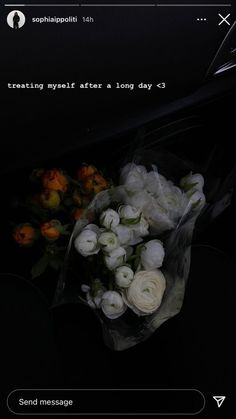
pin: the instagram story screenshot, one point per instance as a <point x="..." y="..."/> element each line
<point x="117" y="213"/>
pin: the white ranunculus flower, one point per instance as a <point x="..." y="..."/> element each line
<point x="109" y="218"/>
<point x="124" y="234"/>
<point x="196" y="198"/>
<point x="133" y="177"/>
<point x="129" y="214"/>
<point x="86" y="243"/>
<point x="108" y="241"/>
<point x="145" y="293"/>
<point x="124" y="276"/>
<point x="152" y="254"/>
<point x="115" y="258"/>
<point x="190" y="181"/>
<point x="112" y="304"/>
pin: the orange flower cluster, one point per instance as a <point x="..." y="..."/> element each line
<point x="57" y="188"/>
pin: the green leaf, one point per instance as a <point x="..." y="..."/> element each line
<point x="39" y="268"/>
<point x="131" y="221"/>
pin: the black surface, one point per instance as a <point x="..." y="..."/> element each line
<point x="193" y="350"/>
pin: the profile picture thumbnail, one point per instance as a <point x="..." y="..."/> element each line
<point x="16" y="19"/>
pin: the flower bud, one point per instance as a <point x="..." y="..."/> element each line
<point x="55" y="180"/>
<point x="109" y="218"/>
<point x="85" y="171"/>
<point x="86" y="243"/>
<point x="25" y="234"/>
<point x="51" y="230"/>
<point x="152" y="254"/>
<point x="129" y="214"/>
<point x="112" y="304"/>
<point x="108" y="241"/>
<point x="190" y="181"/>
<point x="95" y="184"/>
<point x="123" y="276"/>
<point x="115" y="258"/>
<point x="50" y="199"/>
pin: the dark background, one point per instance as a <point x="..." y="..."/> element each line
<point x="193" y="118"/>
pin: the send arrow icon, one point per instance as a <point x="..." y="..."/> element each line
<point x="219" y="400"/>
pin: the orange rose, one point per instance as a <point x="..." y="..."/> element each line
<point x="25" y="235"/>
<point x="50" y="199"/>
<point x="85" y="171"/>
<point x="55" y="180"/>
<point x="77" y="197"/>
<point x="95" y="184"/>
<point x="51" y="230"/>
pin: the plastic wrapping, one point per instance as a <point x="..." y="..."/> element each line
<point x="130" y="329"/>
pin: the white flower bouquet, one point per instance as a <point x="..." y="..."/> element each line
<point x="129" y="256"/>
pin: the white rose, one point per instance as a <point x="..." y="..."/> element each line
<point x="145" y="293"/>
<point x="152" y="254"/>
<point x="196" y="198"/>
<point x="190" y="181"/>
<point x="133" y="177"/>
<point x="112" y="304"/>
<point x="124" y="276"/>
<point x="109" y="218"/>
<point x="108" y="241"/>
<point x="87" y="243"/>
<point x="115" y="258"/>
<point x="123" y="233"/>
<point x="129" y="214"/>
